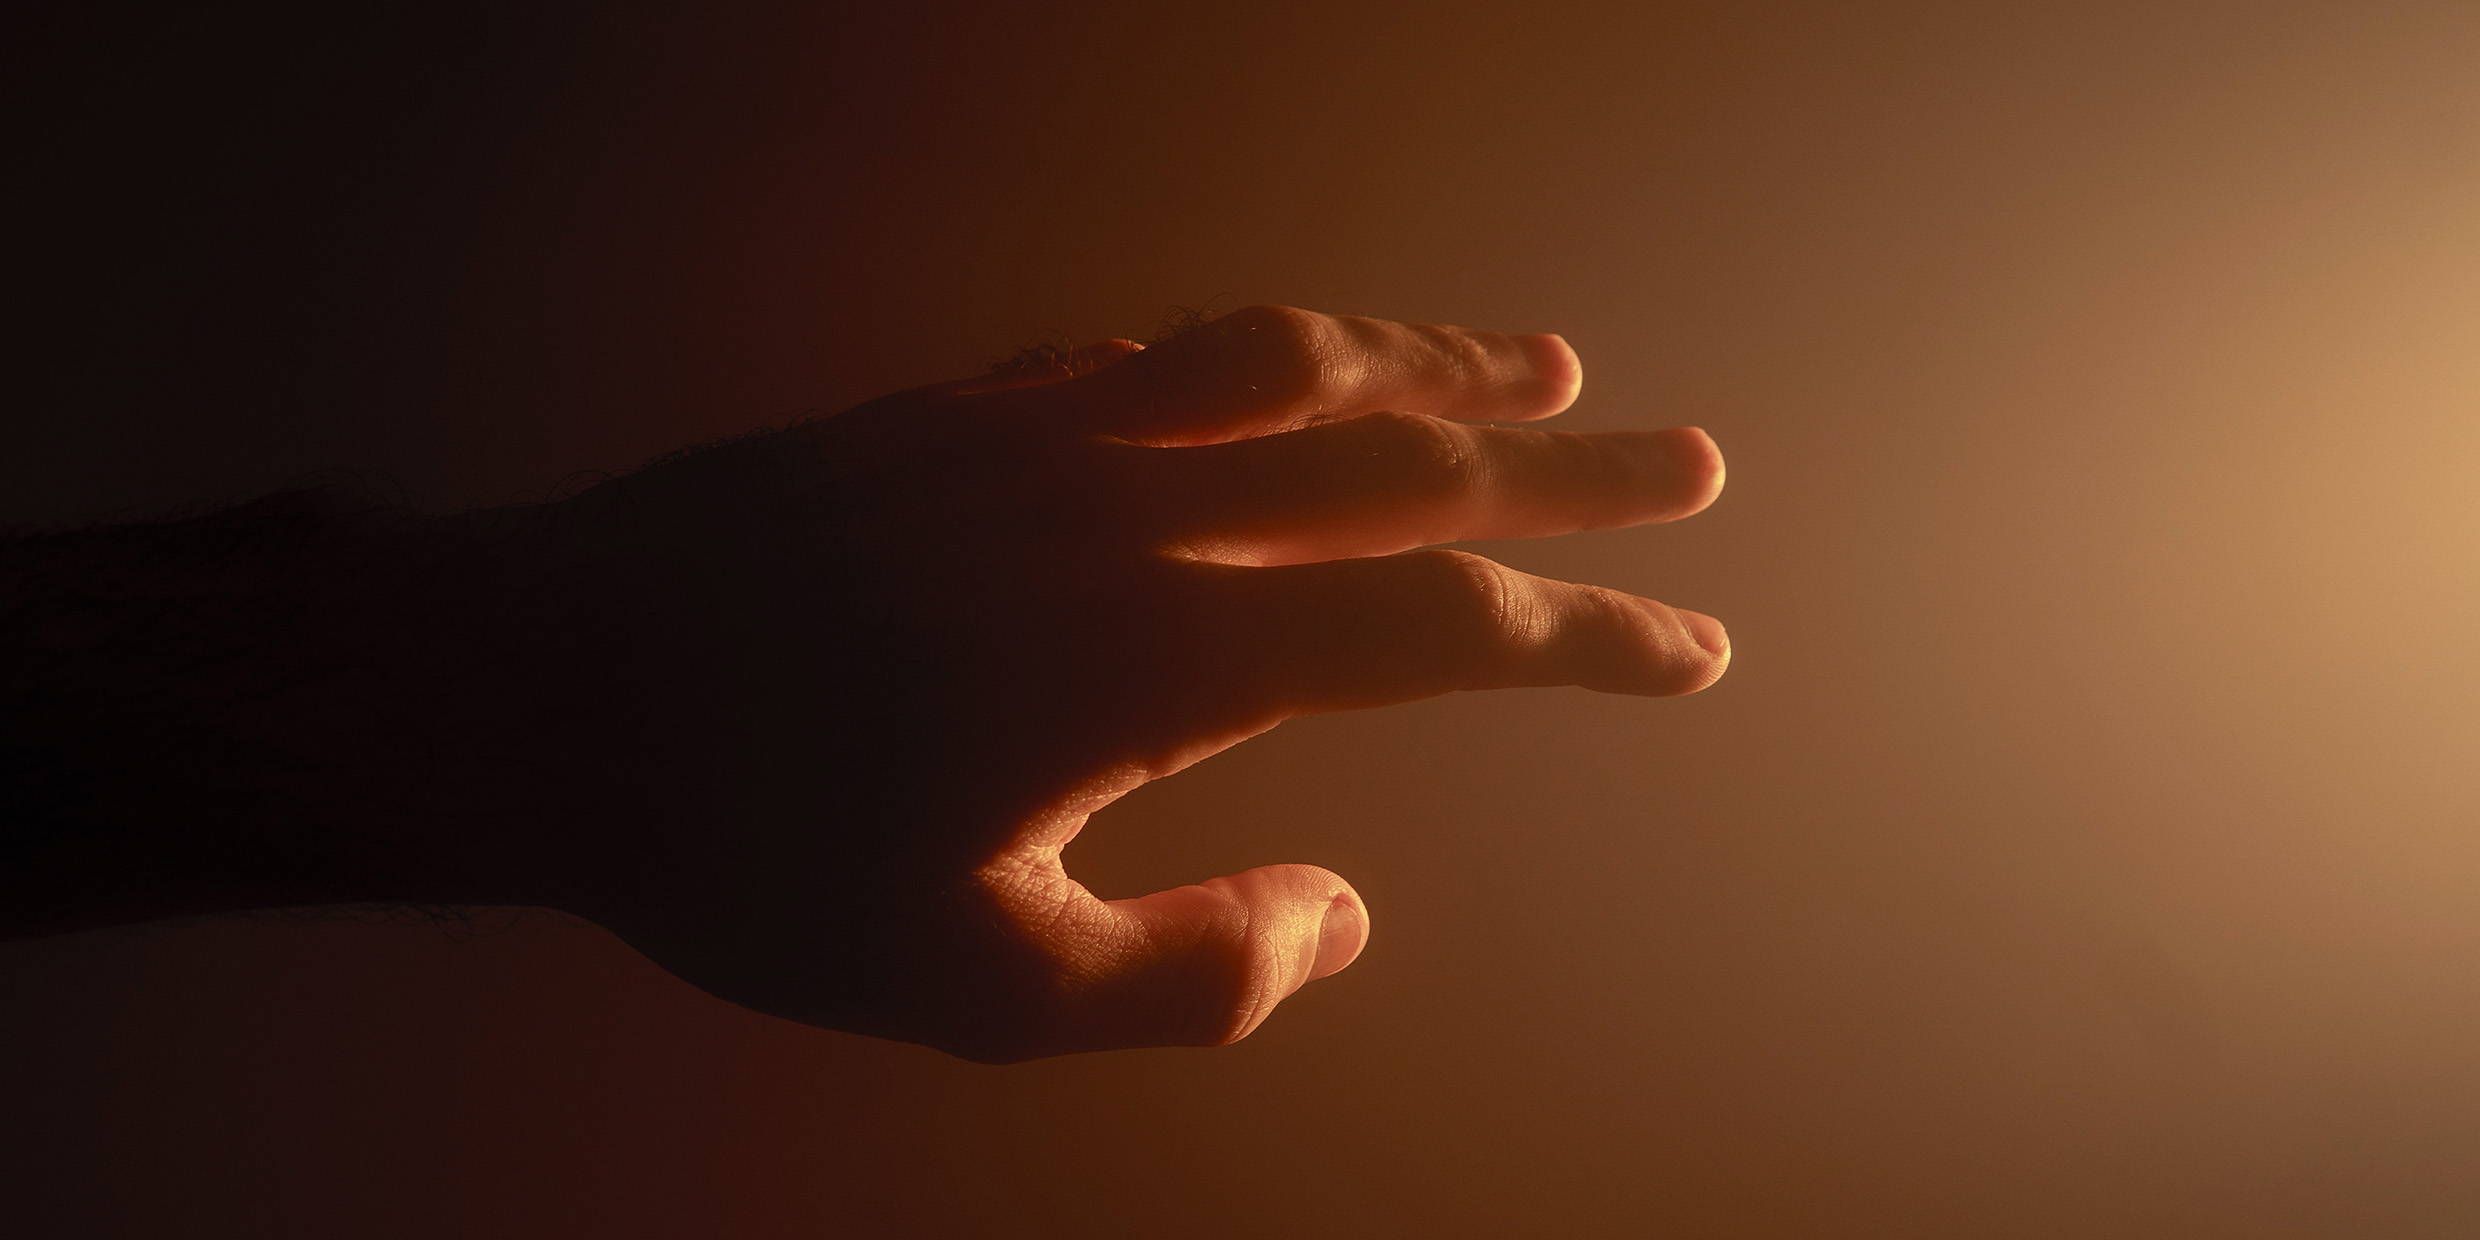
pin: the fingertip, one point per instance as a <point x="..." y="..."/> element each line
<point x="1697" y="463"/>
<point x="1711" y="637"/>
<point x="1284" y="899"/>
<point x="1557" y="376"/>
<point x="1657" y="651"/>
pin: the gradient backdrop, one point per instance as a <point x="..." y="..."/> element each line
<point x="2085" y="843"/>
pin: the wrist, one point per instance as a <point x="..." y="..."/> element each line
<point x="230" y="711"/>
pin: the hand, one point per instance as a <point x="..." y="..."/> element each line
<point x="808" y="717"/>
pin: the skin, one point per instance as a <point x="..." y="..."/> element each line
<point x="809" y="716"/>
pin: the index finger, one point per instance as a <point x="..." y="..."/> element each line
<point x="1275" y="368"/>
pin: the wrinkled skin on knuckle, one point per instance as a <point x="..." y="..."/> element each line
<point x="1459" y="356"/>
<point x="1214" y="990"/>
<point x="1640" y="648"/>
<point x="1074" y="987"/>
<point x="1475" y="618"/>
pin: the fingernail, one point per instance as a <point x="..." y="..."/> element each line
<point x="1340" y="937"/>
<point x="1707" y="631"/>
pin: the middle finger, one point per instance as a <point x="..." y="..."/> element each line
<point x="1389" y="482"/>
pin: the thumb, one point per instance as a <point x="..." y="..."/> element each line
<point x="1204" y="965"/>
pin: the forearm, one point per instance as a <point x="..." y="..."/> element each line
<point x="195" y="715"/>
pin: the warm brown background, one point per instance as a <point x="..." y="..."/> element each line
<point x="2086" y="842"/>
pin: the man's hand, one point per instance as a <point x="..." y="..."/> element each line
<point x="860" y="681"/>
<point x="809" y="716"/>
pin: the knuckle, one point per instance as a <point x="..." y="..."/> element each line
<point x="1425" y="457"/>
<point x="1241" y="981"/>
<point x="1461" y="358"/>
<point x="1277" y="322"/>
<point x="1607" y="483"/>
<point x="1292" y="358"/>
<point x="1636" y="649"/>
<point x="1474" y="601"/>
